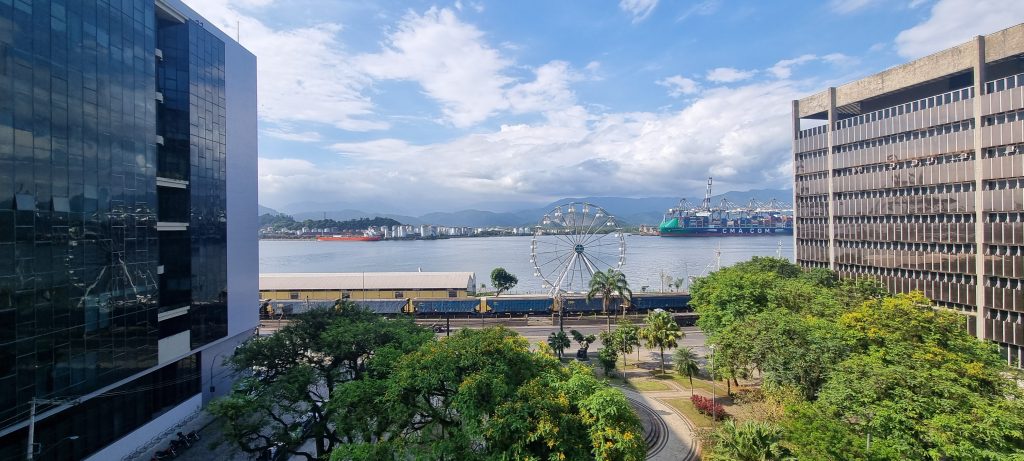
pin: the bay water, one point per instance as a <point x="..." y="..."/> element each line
<point x="648" y="258"/>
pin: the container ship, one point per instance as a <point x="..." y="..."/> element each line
<point x="727" y="219"/>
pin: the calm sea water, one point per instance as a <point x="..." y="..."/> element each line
<point x="647" y="258"/>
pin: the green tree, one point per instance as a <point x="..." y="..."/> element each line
<point x="685" y="363"/>
<point x="558" y="341"/>
<point x="566" y="414"/>
<point x="787" y="348"/>
<point x="918" y="385"/>
<point x="662" y="332"/>
<point x="630" y="340"/>
<point x="607" y="356"/>
<point x="290" y="375"/>
<point x="623" y="339"/>
<point x="607" y="284"/>
<point x="730" y="294"/>
<point x="749" y="441"/>
<point x="482" y="394"/>
<point x="502" y="281"/>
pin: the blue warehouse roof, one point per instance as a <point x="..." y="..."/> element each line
<point x="522" y="305"/>
<point x="445" y="306"/>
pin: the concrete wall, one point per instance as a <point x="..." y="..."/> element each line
<point x="243" y="216"/>
<point x="127" y="445"/>
<point x="217" y="376"/>
<point x="998" y="45"/>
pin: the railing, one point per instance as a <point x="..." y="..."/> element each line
<point x="1004" y="83"/>
<point x="906" y="108"/>
<point x="812" y="131"/>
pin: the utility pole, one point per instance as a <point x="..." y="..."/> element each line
<point x="31" y="431"/>
<point x="712" y="348"/>
<point x="30" y="449"/>
<point x="561" y="312"/>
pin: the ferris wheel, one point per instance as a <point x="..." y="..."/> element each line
<point x="572" y="242"/>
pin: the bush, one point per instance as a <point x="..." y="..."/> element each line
<point x="708" y="407"/>
<point x="607" y="357"/>
<point x="748" y="395"/>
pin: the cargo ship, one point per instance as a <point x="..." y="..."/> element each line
<point x="348" y="238"/>
<point x="727" y="219"/>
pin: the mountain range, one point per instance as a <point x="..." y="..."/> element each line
<point x="633" y="211"/>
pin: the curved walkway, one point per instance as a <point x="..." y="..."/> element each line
<point x="677" y="441"/>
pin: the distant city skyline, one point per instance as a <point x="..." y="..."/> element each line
<point x="439" y="106"/>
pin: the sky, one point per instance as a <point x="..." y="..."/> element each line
<point x="414" y="106"/>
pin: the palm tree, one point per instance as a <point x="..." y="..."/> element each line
<point x="661" y="332"/>
<point x="749" y="441"/>
<point x="606" y="284"/>
<point x="558" y="342"/>
<point x="685" y="363"/>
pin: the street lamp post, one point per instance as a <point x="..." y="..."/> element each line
<point x="213" y="362"/>
<point x="713" y="401"/>
<point x="30" y="449"/>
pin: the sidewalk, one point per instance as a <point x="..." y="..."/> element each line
<point x="209" y="447"/>
<point x="680" y="444"/>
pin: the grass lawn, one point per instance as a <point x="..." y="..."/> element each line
<point x="698" y="383"/>
<point x="687" y="409"/>
<point x="648" y="385"/>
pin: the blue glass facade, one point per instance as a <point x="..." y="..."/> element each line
<point x="90" y="117"/>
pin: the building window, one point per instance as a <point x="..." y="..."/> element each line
<point x="399" y="294"/>
<point x="453" y="293"/>
<point x="294" y="295"/>
<point x="345" y="295"/>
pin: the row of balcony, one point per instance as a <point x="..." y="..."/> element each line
<point x="960" y="233"/>
<point x="1006" y="95"/>
<point x="1004" y="331"/>
<point x="932" y="204"/>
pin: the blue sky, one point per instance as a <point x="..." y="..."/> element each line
<point x="413" y="106"/>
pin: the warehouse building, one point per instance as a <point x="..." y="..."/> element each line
<point x="915" y="176"/>
<point x="366" y="285"/>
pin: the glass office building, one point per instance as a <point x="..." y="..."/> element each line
<point x="118" y="177"/>
<point x="915" y="177"/>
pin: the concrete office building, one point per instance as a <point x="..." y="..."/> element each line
<point x="915" y="176"/>
<point x="128" y="220"/>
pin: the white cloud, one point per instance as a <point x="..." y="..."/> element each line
<point x="303" y="73"/>
<point x="679" y="86"/>
<point x="956" y="21"/>
<point x="455" y="66"/>
<point x="449" y="59"/>
<point x="639" y="9"/>
<point x="288" y="134"/>
<point x="729" y="74"/>
<point x="741" y="135"/>
<point x="850" y="6"/>
<point x="784" y="68"/>
<point x="703" y="8"/>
